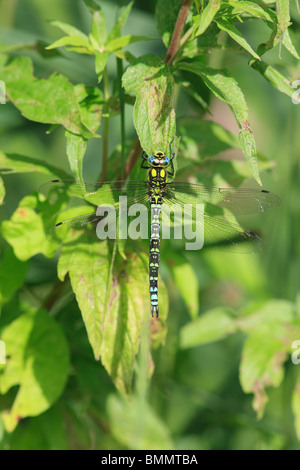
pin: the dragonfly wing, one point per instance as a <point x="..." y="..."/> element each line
<point x="199" y="230"/>
<point x="93" y="191"/>
<point x="102" y="223"/>
<point x="239" y="201"/>
<point x="77" y="229"/>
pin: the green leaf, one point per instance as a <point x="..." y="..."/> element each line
<point x="2" y="189"/>
<point x="225" y="87"/>
<point x="186" y="282"/>
<point x="210" y="138"/>
<point x="100" y="63"/>
<point x="274" y="327"/>
<point x="89" y="270"/>
<point x="261" y="366"/>
<point x="12" y="275"/>
<point x="252" y="9"/>
<point x="280" y="33"/>
<point x="283" y="14"/>
<point x="274" y="77"/>
<point x="39" y="364"/>
<point x="202" y="21"/>
<point x="72" y="41"/>
<point x="98" y="28"/>
<point x="128" y="304"/>
<point x="118" y="43"/>
<point x="278" y="312"/>
<point x="166" y="14"/>
<point x="76" y="147"/>
<point x="122" y="18"/>
<point x="92" y="5"/>
<point x="90" y="100"/>
<point x="46" y="431"/>
<point x="289" y="45"/>
<point x="13" y="163"/>
<point x="272" y="42"/>
<point x="113" y="302"/>
<point x="136" y="426"/>
<point x="25" y="231"/>
<point x="248" y="147"/>
<point x="50" y="101"/>
<point x="222" y="84"/>
<point x="69" y="29"/>
<point x="296" y="408"/>
<point x="235" y="34"/>
<point x="154" y="115"/>
<point x="213" y="325"/>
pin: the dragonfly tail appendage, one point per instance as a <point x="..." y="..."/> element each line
<point x="154" y="311"/>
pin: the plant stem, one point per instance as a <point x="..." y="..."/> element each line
<point x="183" y="42"/>
<point x="105" y="127"/>
<point x="175" y="41"/>
<point x="122" y="113"/>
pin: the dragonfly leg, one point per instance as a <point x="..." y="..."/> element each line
<point x="172" y="172"/>
<point x="172" y="151"/>
<point x="145" y="159"/>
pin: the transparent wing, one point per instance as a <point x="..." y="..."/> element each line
<point x="199" y="230"/>
<point x="95" y="192"/>
<point x="87" y="227"/>
<point x="108" y="221"/>
<point x="239" y="201"/>
<point x="218" y="233"/>
<point x="77" y="229"/>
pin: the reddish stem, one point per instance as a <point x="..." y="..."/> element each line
<point x="174" y="44"/>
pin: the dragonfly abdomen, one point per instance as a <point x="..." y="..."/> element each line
<point x="154" y="257"/>
<point x="157" y="178"/>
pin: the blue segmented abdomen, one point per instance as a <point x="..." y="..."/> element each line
<point x="154" y="257"/>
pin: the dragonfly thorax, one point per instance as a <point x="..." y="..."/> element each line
<point x="157" y="178"/>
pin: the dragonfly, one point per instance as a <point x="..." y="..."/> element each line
<point x="158" y="192"/>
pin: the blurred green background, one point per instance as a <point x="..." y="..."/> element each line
<point x="196" y="396"/>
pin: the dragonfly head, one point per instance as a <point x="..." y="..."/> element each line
<point x="159" y="159"/>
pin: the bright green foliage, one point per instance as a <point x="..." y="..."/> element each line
<point x="12" y="275"/>
<point x="201" y="22"/>
<point x="270" y="329"/>
<point x="226" y="88"/>
<point x="154" y="115"/>
<point x="39" y="365"/>
<point x="25" y="231"/>
<point x="212" y="326"/>
<point x="98" y="43"/>
<point x="49" y="101"/>
<point x="11" y="163"/>
<point x="296" y="408"/>
<point x="134" y="425"/>
<point x="82" y="353"/>
<point x="186" y="281"/>
<point x="2" y="191"/>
